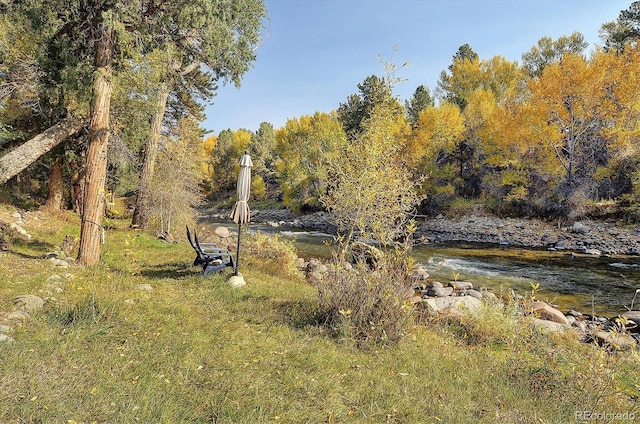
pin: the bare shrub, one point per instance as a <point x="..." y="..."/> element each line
<point x="364" y="306"/>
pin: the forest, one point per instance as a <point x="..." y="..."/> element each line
<point x="101" y="104"/>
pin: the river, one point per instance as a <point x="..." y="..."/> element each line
<point x="599" y="284"/>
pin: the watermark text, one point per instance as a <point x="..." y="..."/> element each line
<point x="586" y="416"/>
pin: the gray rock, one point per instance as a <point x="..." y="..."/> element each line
<point x="222" y="232"/>
<point x="594" y="252"/>
<point x="312" y="264"/>
<point x="28" y="302"/>
<point x="420" y="269"/>
<point x="580" y="325"/>
<point x="5" y="329"/>
<point x="463" y="303"/>
<point x="550" y="326"/>
<point x="17" y="315"/>
<point x="489" y="295"/>
<point x="440" y="292"/>
<point x="580" y="228"/>
<point x="59" y="263"/>
<point x="435" y="285"/>
<point x="461" y="285"/>
<point x="474" y="293"/>
<point x="619" y="341"/>
<point x="561" y="245"/>
<point x="633" y="316"/>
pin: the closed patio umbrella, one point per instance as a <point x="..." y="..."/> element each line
<point x="240" y="213"/>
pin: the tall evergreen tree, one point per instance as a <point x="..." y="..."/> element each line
<point x="358" y="107"/>
<point x="420" y="100"/>
<point x="447" y="88"/>
<point x="263" y="153"/>
<point x="623" y="31"/>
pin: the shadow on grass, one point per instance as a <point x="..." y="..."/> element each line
<point x="170" y="270"/>
<point x="36" y="245"/>
<point x="299" y="314"/>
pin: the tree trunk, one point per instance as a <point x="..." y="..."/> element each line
<point x="24" y="155"/>
<point x="91" y="231"/>
<point x="140" y="217"/>
<point x="56" y="187"/>
<point x="77" y="181"/>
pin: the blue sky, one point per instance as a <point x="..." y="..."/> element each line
<point x="314" y="53"/>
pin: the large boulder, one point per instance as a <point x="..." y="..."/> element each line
<point x="462" y="303"/>
<point x="580" y="228"/>
<point x="632" y="316"/>
<point x="618" y="341"/>
<point x="222" y="232"/>
<point x="550" y="326"/>
<point x="547" y="312"/>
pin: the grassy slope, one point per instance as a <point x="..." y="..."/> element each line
<point x="195" y="350"/>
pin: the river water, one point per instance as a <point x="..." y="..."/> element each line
<point x="590" y="284"/>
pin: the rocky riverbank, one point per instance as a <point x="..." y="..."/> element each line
<point x="454" y="299"/>
<point x="588" y="237"/>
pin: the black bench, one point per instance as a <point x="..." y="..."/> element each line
<point x="208" y="255"/>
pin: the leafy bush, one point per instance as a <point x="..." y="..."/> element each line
<point x="277" y="256"/>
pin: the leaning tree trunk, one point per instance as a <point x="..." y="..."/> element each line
<point x="140" y="217"/>
<point x="24" y="155"/>
<point x="55" y="198"/>
<point x="96" y="160"/>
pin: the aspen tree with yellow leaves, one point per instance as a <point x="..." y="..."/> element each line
<point x="305" y="147"/>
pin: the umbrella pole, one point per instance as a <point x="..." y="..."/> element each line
<point x="237" y="251"/>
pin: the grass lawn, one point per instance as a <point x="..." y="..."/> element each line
<point x="195" y="350"/>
